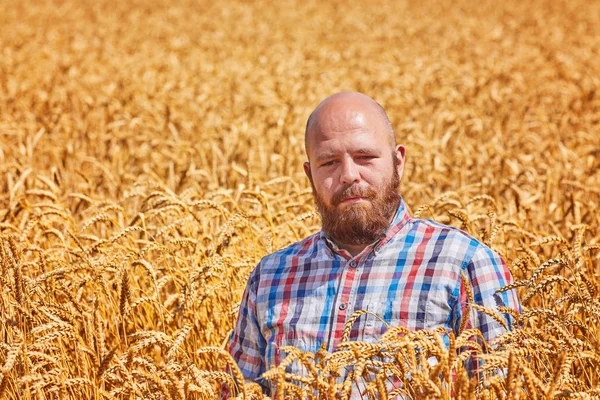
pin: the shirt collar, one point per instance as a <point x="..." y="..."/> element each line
<point x="400" y="218"/>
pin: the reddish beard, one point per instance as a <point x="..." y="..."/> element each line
<point x="362" y="222"/>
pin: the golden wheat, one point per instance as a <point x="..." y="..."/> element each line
<point x="151" y="153"/>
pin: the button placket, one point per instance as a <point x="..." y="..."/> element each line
<point x="344" y="300"/>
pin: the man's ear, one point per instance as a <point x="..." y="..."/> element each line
<point x="400" y="157"/>
<point x="307" y="170"/>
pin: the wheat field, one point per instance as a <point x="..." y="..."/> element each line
<point x="151" y="153"/>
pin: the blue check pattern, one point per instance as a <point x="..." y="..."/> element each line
<point x="303" y="295"/>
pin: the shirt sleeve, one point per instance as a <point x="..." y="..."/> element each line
<point x="485" y="273"/>
<point x="247" y="345"/>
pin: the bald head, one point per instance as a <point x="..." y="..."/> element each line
<point x="347" y="111"/>
<point x="354" y="167"/>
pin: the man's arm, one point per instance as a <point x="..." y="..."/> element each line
<point x="247" y="345"/>
<point x="485" y="273"/>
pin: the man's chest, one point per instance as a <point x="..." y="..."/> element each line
<point x="310" y="302"/>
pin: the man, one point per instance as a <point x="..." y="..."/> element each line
<point x="370" y="254"/>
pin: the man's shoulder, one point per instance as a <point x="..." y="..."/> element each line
<point x="277" y="264"/>
<point x="280" y="257"/>
<point x="453" y="243"/>
<point x="447" y="233"/>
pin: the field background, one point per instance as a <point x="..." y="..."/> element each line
<point x="151" y="153"/>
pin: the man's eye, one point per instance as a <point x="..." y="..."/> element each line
<point x="328" y="163"/>
<point x="366" y="157"/>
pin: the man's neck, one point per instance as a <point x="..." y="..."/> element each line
<point x="353" y="249"/>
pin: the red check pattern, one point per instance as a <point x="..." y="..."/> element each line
<point x="303" y="295"/>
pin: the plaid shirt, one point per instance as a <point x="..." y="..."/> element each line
<point x="302" y="295"/>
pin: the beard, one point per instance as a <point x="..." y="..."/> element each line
<point x="363" y="222"/>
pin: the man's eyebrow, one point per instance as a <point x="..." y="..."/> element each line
<point x="325" y="156"/>
<point x="367" y="150"/>
<point x="362" y="150"/>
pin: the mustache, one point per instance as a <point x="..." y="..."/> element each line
<point x="352" y="191"/>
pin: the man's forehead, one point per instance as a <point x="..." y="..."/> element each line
<point x="339" y="122"/>
<point x="346" y="112"/>
<point x="331" y="125"/>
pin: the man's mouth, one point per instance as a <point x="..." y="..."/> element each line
<point x="352" y="200"/>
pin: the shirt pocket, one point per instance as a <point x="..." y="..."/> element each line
<point x="410" y="313"/>
<point x="282" y="349"/>
<point x="379" y="318"/>
<point x="438" y="310"/>
<point x="295" y="327"/>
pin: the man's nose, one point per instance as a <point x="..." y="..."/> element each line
<point x="349" y="173"/>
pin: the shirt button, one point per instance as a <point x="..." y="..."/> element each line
<point x="353" y="264"/>
<point x="343" y="306"/>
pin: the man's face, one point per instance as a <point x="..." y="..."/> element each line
<point x="354" y="171"/>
